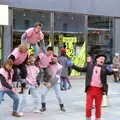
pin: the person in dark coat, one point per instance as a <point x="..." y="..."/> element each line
<point x="96" y="84"/>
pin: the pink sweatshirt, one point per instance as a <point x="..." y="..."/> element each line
<point x="32" y="72"/>
<point x="96" y="82"/>
<point x="56" y="69"/>
<point x="19" y="56"/>
<point x="5" y="74"/>
<point x="33" y="37"/>
<point x="44" y="60"/>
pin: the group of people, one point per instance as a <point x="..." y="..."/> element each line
<point x="22" y="73"/>
<point x="44" y="67"/>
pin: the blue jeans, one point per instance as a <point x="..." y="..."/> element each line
<point x="63" y="84"/>
<point x="23" y="98"/>
<point x="56" y="89"/>
<point x="36" y="47"/>
<point x="13" y="96"/>
<point x="1" y="96"/>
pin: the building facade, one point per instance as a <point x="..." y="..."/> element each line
<point x="90" y="20"/>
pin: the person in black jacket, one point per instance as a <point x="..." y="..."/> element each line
<point x="95" y="84"/>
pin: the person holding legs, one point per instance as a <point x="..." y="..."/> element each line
<point x="42" y="61"/>
<point x="19" y="56"/>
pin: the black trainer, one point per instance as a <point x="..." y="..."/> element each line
<point x="62" y="108"/>
<point x="43" y="109"/>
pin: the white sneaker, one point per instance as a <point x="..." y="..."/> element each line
<point x="21" y="114"/>
<point x="36" y="110"/>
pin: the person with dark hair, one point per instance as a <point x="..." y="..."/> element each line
<point x="34" y="37"/>
<point x="55" y="71"/>
<point x="42" y="61"/>
<point x="6" y="74"/>
<point x="66" y="70"/>
<point x="95" y="85"/>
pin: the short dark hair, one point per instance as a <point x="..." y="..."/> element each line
<point x="101" y="55"/>
<point x="54" y="55"/>
<point x="38" y="24"/>
<point x="50" y="48"/>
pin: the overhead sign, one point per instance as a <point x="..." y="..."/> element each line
<point x="3" y="14"/>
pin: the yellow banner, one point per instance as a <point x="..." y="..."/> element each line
<point x="77" y="60"/>
<point x="69" y="45"/>
<point x="80" y="59"/>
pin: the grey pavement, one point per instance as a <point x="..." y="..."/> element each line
<point x="74" y="101"/>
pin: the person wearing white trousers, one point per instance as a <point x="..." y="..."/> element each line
<point x="31" y="85"/>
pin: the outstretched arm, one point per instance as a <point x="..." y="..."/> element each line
<point x="23" y="37"/>
<point x="79" y="69"/>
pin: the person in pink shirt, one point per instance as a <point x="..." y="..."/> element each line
<point x="42" y="61"/>
<point x="19" y="57"/>
<point x="32" y="86"/>
<point x="6" y="74"/>
<point x="95" y="85"/>
<point x="54" y="82"/>
<point x="34" y="37"/>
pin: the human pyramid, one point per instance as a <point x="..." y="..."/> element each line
<point x="41" y="66"/>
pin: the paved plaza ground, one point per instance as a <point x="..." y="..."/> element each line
<point x="74" y="100"/>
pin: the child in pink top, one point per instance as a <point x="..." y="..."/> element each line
<point x="55" y="69"/>
<point x="42" y="61"/>
<point x="32" y="86"/>
<point x="6" y="74"/>
<point x="34" y="37"/>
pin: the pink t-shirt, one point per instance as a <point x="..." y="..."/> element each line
<point x="33" y="37"/>
<point x="19" y="56"/>
<point x="32" y="72"/>
<point x="55" y="68"/>
<point x="5" y="74"/>
<point x="44" y="60"/>
<point x="96" y="82"/>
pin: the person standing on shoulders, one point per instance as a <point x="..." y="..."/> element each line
<point x="34" y="37"/>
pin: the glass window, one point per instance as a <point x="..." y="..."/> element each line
<point x="100" y="36"/>
<point x="69" y="31"/>
<point x="27" y="24"/>
<point x="24" y="19"/>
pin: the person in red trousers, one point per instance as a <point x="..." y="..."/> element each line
<point x="95" y="84"/>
